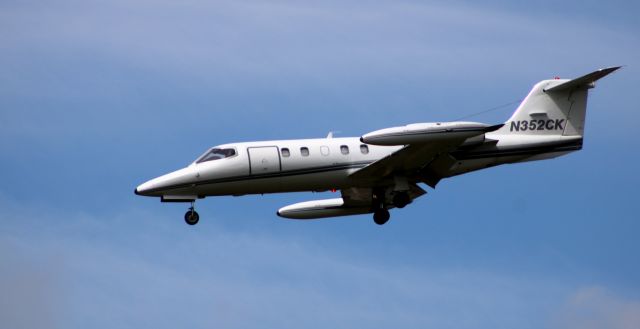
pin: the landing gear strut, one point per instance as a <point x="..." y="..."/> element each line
<point x="191" y="217"/>
<point x="380" y="213"/>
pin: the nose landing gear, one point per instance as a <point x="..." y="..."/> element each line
<point x="191" y="217"/>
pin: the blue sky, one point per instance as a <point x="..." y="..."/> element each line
<point x="99" y="96"/>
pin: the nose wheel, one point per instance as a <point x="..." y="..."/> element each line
<point x="191" y="217"/>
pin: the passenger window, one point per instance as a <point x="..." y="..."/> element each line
<point x="344" y="149"/>
<point x="285" y="152"/>
<point x="324" y="150"/>
<point x="304" y="151"/>
<point x="364" y="149"/>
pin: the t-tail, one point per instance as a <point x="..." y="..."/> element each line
<point x="554" y="107"/>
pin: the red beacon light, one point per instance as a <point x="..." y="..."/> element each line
<point x="556" y="78"/>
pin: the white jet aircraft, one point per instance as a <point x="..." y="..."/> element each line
<point x="382" y="169"/>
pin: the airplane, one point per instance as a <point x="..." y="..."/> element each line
<point x="382" y="170"/>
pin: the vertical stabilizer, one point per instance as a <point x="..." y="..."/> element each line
<point x="554" y="107"/>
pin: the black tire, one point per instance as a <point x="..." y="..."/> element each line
<point x="401" y="200"/>
<point x="381" y="216"/>
<point x="191" y="217"/>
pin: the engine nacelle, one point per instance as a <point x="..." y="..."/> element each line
<point x="426" y="133"/>
<point x="320" y="209"/>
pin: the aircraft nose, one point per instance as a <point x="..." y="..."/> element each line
<point x="171" y="182"/>
<point x="144" y="188"/>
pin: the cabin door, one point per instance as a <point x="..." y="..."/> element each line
<point x="264" y="160"/>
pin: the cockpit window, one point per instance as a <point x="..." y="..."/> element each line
<point x="216" y="154"/>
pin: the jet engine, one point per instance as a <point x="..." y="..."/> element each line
<point x="426" y="133"/>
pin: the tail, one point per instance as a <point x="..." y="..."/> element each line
<point x="554" y="107"/>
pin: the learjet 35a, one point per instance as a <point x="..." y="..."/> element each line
<point x="382" y="169"/>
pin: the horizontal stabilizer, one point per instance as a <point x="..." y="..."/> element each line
<point x="586" y="80"/>
<point x="493" y="128"/>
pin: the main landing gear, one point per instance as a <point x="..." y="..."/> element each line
<point x="381" y="213"/>
<point x="381" y="216"/>
<point x="191" y="217"/>
<point x="401" y="199"/>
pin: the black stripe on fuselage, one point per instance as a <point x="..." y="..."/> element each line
<point x="280" y="174"/>
<point x="520" y="151"/>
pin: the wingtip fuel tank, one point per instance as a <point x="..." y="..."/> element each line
<point x="321" y="209"/>
<point x="426" y="133"/>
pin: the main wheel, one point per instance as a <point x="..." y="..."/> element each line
<point x="191" y="217"/>
<point x="381" y="216"/>
<point x="401" y="199"/>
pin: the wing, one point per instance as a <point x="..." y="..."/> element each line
<point x="424" y="159"/>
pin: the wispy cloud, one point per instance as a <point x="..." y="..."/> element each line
<point x="254" y="40"/>
<point x="136" y="269"/>
<point x="596" y="307"/>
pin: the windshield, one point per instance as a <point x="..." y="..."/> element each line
<point x="216" y="154"/>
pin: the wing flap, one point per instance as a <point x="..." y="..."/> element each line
<point x="437" y="169"/>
